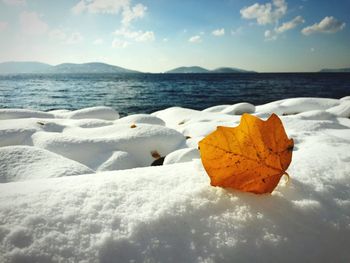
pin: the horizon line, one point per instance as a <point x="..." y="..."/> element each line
<point x="248" y="71"/>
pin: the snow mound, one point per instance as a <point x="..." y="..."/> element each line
<point x="316" y="115"/>
<point x="217" y="108"/>
<point x="345" y="98"/>
<point x="239" y="109"/>
<point x="119" y="160"/>
<point x="16" y="136"/>
<point x="181" y="156"/>
<point x="169" y="213"/>
<point x="100" y="112"/>
<point x="18" y="163"/>
<point x="141" y="118"/>
<point x="175" y="116"/>
<point x="342" y="110"/>
<point x="22" y="113"/>
<point x="94" y="146"/>
<point x="297" y="105"/>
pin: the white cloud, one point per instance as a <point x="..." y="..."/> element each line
<point x="218" y="32"/>
<point x="265" y="13"/>
<point x="3" y="25"/>
<point x="195" y="39"/>
<point x="98" y="41"/>
<point x="130" y="14"/>
<point x="15" y="2"/>
<point x="74" y="38"/>
<point x="100" y="6"/>
<point x="290" y="24"/>
<point x="328" y="25"/>
<point x="31" y="23"/>
<point x="165" y="40"/>
<point x="273" y="34"/>
<point x="118" y="43"/>
<point x="138" y="36"/>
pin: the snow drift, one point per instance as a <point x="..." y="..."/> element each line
<point x="168" y="213"/>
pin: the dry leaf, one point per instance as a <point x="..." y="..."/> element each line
<point x="251" y="157"/>
<point x="155" y="154"/>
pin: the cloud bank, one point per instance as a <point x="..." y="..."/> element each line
<point x="268" y="13"/>
<point x="328" y="25"/>
<point x="290" y="24"/>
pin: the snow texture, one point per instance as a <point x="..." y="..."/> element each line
<point x="19" y="163"/>
<point x="116" y="208"/>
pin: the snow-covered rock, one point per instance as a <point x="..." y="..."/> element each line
<point x="100" y="112"/>
<point x="342" y="110"/>
<point x="119" y="160"/>
<point x="18" y="163"/>
<point x="23" y="113"/>
<point x="218" y="108"/>
<point x="94" y="146"/>
<point x="141" y="118"/>
<point x="181" y="156"/>
<point x="169" y="213"/>
<point x="239" y="109"/>
<point x="297" y="105"/>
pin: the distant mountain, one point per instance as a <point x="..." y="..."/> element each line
<point x="194" y="69"/>
<point x="89" y="68"/>
<point x="65" y="68"/>
<point x="230" y="70"/>
<point x="23" y="67"/>
<point x="197" y="69"/>
<point x="336" y="70"/>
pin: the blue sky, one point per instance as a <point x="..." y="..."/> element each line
<point x="157" y="35"/>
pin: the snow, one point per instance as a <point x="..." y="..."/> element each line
<point x="107" y="203"/>
<point x="141" y="118"/>
<point x="239" y="109"/>
<point x="181" y="156"/>
<point x="19" y="163"/>
<point x="297" y="105"/>
<point x="22" y="113"/>
<point x="101" y="112"/>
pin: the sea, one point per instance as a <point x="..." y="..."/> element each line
<point x="147" y="93"/>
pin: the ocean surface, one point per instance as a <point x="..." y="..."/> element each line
<point x="146" y="93"/>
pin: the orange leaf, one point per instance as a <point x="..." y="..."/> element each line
<point x="251" y="157"/>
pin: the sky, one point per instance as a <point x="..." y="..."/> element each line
<point x="158" y="35"/>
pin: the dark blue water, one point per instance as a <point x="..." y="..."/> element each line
<point x="146" y="93"/>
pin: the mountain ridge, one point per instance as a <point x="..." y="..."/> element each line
<point x="199" y="70"/>
<point x="33" y="67"/>
<point x="335" y="70"/>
